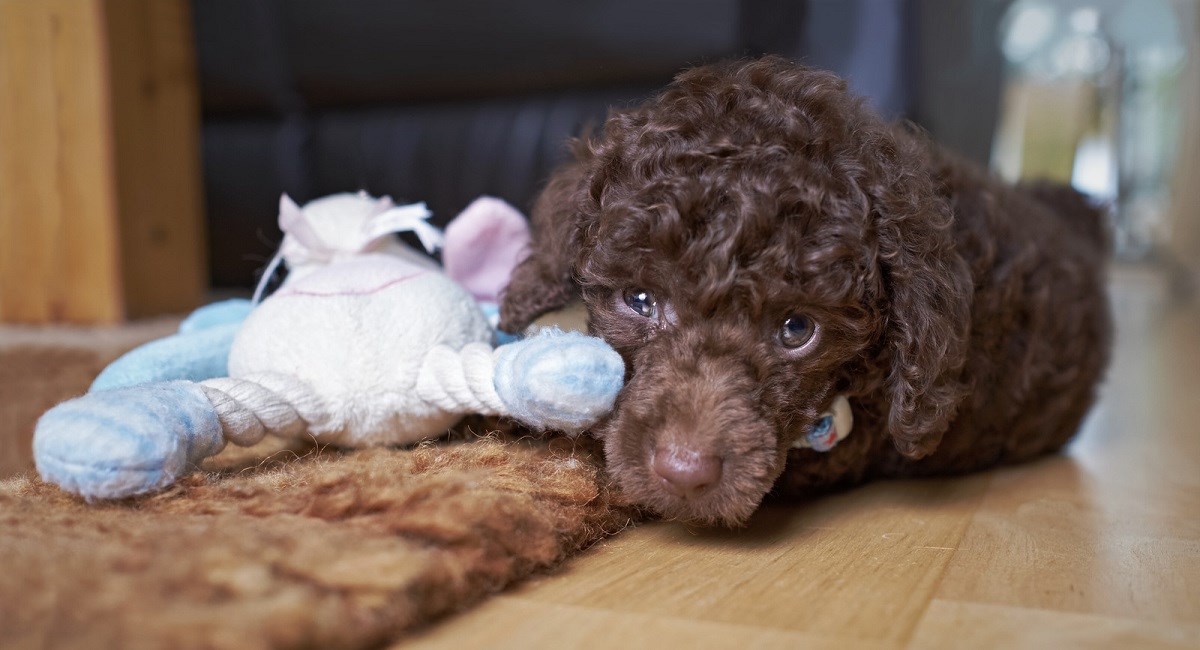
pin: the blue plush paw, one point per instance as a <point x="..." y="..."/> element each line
<point x="126" y="442"/>
<point x="559" y="380"/>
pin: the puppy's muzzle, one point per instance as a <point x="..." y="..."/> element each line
<point x="688" y="439"/>
<point x="685" y="472"/>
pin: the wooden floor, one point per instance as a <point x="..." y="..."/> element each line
<point x="1099" y="547"/>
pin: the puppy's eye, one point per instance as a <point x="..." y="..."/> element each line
<point x="642" y="302"/>
<point x="797" y="330"/>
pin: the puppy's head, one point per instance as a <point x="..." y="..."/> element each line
<point x="754" y="243"/>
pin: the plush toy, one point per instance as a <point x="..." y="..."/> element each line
<point x="366" y="342"/>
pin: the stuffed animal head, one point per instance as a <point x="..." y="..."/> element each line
<point x="480" y="247"/>
<point x="343" y="225"/>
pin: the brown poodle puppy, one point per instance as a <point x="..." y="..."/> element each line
<point x="756" y="242"/>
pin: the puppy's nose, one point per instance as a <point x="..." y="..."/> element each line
<point x="686" y="473"/>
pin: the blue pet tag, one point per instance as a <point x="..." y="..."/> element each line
<point x="831" y="428"/>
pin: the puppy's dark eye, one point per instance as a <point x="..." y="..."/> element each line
<point x="642" y="302"/>
<point x="796" y="331"/>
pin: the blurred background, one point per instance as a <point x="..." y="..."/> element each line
<point x="210" y="109"/>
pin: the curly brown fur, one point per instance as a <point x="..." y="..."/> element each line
<point x="966" y="320"/>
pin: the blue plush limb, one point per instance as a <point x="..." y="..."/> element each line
<point x="194" y="356"/>
<point x="125" y="442"/>
<point x="200" y="350"/>
<point x="564" y="381"/>
<point x="225" y="312"/>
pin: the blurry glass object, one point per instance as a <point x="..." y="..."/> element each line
<point x="1091" y="99"/>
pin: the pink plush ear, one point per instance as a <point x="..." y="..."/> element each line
<point x="483" y="244"/>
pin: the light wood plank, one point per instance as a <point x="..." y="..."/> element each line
<point x="860" y="565"/>
<point x="156" y="126"/>
<point x="58" y="248"/>
<point x="508" y="622"/>
<point x="100" y="212"/>
<point x="951" y="626"/>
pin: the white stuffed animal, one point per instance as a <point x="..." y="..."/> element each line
<point x="367" y="342"/>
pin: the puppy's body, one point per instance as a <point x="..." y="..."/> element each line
<point x="755" y="242"/>
<point x="1038" y="344"/>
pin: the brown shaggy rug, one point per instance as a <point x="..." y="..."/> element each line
<point x="309" y="548"/>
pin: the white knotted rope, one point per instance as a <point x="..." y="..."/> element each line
<point x="251" y="407"/>
<point x="461" y="381"/>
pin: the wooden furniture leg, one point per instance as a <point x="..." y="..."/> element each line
<point x="100" y="205"/>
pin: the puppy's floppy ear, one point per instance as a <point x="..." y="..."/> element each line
<point x="543" y="281"/>
<point x="928" y="290"/>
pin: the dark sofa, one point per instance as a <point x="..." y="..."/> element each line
<point x="444" y="100"/>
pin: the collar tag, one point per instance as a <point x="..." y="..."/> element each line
<point x="831" y="428"/>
